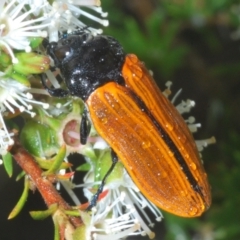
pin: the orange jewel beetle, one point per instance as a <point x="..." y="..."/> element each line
<point x="142" y="127"/>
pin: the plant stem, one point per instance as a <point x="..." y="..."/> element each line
<point x="44" y="186"/>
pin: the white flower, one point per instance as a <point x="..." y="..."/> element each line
<point x="64" y="16"/>
<point x="103" y="227"/>
<point x="14" y="96"/>
<point x="16" y="26"/>
<point x="116" y="214"/>
<point x="185" y="107"/>
<point x="5" y="137"/>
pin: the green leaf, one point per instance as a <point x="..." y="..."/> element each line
<point x="20" y="175"/>
<point x="40" y="215"/>
<point x="47" y="163"/>
<point x="35" y="42"/>
<point x="38" y="139"/>
<point x="57" y="161"/>
<point x="16" y="210"/>
<point x="73" y="213"/>
<point x="102" y="166"/>
<point x="7" y="162"/>
<point x="56" y="231"/>
<point x="84" y="167"/>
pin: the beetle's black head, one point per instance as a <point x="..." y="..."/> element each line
<point x="87" y="62"/>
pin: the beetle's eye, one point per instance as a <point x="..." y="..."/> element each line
<point x="62" y="52"/>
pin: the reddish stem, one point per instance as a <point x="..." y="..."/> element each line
<point x="44" y="186"/>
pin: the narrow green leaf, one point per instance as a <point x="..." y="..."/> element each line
<point x="47" y="163"/>
<point x="57" y="161"/>
<point x="40" y="215"/>
<point x="16" y="210"/>
<point x="20" y="175"/>
<point x="74" y="213"/>
<point x="84" y="167"/>
<point x="7" y="161"/>
<point x="56" y="230"/>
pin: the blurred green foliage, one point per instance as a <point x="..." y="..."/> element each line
<point x="189" y="42"/>
<point x="157" y="51"/>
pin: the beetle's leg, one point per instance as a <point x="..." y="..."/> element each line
<point x="50" y="47"/>
<point x="93" y="202"/>
<point x="55" y="92"/>
<point x="85" y="127"/>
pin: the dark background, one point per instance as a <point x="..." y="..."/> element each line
<point x="192" y="44"/>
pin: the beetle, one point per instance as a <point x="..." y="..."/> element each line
<point x="142" y="127"/>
